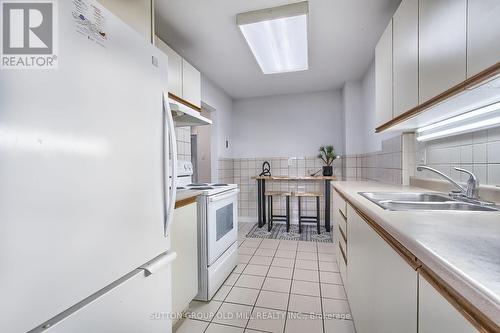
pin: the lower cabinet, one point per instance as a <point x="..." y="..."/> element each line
<point x="184" y="237"/>
<point x="436" y="314"/>
<point x="382" y="286"/>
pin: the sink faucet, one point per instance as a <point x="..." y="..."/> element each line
<point x="471" y="192"/>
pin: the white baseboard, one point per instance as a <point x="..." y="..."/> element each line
<point x="247" y="219"/>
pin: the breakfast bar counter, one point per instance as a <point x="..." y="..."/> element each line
<point x="261" y="190"/>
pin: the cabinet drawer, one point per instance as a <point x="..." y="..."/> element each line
<point x="342" y="268"/>
<point x="343" y="240"/>
<point x="342" y="222"/>
<point x="342" y="206"/>
<point x="342" y="254"/>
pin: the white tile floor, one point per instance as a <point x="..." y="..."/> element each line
<point x="279" y="286"/>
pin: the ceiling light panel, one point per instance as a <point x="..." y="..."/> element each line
<point x="277" y="37"/>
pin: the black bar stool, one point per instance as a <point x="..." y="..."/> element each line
<point x="309" y="219"/>
<point x="271" y="217"/>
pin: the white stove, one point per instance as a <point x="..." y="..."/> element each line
<point x="209" y="189"/>
<point x="217" y="230"/>
<point x="184" y="181"/>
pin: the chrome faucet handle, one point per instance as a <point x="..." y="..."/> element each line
<point x="472" y="183"/>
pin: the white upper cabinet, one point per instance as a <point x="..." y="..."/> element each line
<point x="483" y="35"/>
<point x="184" y="80"/>
<point x="383" y="77"/>
<point x="191" y="87"/>
<point x="174" y="68"/>
<point x="442" y="46"/>
<point x="405" y="44"/>
<point x="436" y="315"/>
<point x="136" y="13"/>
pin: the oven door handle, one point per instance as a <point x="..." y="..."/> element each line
<point x="224" y="195"/>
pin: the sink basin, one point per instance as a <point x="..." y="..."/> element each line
<point x="422" y="201"/>
<point x="413" y="197"/>
<point x="452" y="205"/>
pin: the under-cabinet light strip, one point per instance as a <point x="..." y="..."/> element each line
<point x="483" y="124"/>
<point x="471" y="114"/>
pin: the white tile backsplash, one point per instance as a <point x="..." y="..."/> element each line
<point x="478" y="152"/>
<point x="183" y="136"/>
<point x="493" y="151"/>
<point x="243" y="169"/>
<point x="494" y="174"/>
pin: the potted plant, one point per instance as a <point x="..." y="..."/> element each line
<point x="327" y="155"/>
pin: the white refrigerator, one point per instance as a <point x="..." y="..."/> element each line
<point x="85" y="205"/>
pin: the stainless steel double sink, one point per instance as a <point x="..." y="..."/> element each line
<point x="423" y="202"/>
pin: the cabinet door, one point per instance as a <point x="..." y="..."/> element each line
<point x="442" y="46"/>
<point x="383" y="78"/>
<point x="360" y="269"/>
<point x="174" y="68"/>
<point x="184" y="236"/>
<point x="395" y="292"/>
<point x="436" y="315"/>
<point x="405" y="33"/>
<point x="136" y="14"/>
<point x="191" y="86"/>
<point x="382" y="286"/>
<point x="483" y="35"/>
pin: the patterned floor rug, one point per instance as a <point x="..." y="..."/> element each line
<point x="309" y="233"/>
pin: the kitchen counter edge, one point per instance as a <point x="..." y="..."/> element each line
<point x="472" y="290"/>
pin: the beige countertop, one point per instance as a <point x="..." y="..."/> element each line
<point x="462" y="248"/>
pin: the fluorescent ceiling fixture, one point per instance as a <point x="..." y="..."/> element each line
<point x="277" y="37"/>
<point x="482" y="118"/>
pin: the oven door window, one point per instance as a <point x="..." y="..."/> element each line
<point x="225" y="221"/>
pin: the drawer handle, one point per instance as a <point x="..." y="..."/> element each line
<point x="342" y="214"/>
<point x="342" y="233"/>
<point x="343" y="254"/>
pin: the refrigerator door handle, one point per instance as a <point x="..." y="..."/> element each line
<point x="158" y="263"/>
<point x="169" y="147"/>
<point x="149" y="268"/>
<point x="85" y="302"/>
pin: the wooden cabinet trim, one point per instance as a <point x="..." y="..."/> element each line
<point x="457" y="89"/>
<point x="185" y="202"/>
<point x="479" y="320"/>
<point x="470" y="312"/>
<point x="183" y="101"/>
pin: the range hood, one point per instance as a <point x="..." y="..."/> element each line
<point x="185" y="116"/>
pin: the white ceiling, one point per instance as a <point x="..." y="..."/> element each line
<point x="342" y="38"/>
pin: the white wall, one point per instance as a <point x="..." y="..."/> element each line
<point x="373" y="141"/>
<point x="287" y="125"/>
<point x="359" y="116"/>
<point x="221" y="131"/>
<point x="354" y="118"/>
